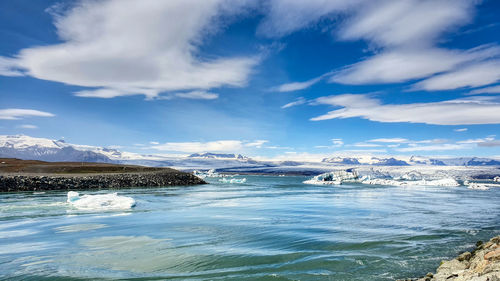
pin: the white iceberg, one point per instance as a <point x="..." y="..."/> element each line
<point x="227" y="180"/>
<point x="208" y="174"/>
<point x="334" y="178"/>
<point x="439" y="182"/>
<point x="412" y="178"/>
<point x="110" y="201"/>
<point x="480" y="186"/>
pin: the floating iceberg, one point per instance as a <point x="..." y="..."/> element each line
<point x="334" y="178"/>
<point x="480" y="186"/>
<point x="374" y="177"/>
<point x="440" y="182"/>
<point x="208" y="174"/>
<point x="226" y="180"/>
<point x="111" y="201"/>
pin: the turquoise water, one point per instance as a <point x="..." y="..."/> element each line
<point x="270" y="228"/>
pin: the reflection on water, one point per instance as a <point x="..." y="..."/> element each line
<point x="272" y="228"/>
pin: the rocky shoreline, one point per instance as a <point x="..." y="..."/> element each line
<point x="42" y="182"/>
<point x="482" y="264"/>
<point x="32" y="175"/>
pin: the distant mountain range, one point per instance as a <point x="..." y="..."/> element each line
<point x="25" y="147"/>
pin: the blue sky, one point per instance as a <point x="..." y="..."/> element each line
<point x="276" y="79"/>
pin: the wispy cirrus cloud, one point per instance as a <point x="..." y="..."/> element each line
<point x="486" y="90"/>
<point x="211" y="146"/>
<point x="437" y="147"/>
<point x="403" y="36"/>
<point x="296" y="86"/>
<point x="256" y="143"/>
<point x="9" y="67"/>
<point x="492" y="143"/>
<point x="283" y="17"/>
<point x="335" y="143"/>
<point x="299" y="101"/>
<point x="389" y="140"/>
<point x="474" y="75"/>
<point x="20" y="113"/>
<point x="401" y="65"/>
<point x="28" y="126"/>
<point x="480" y="110"/>
<point x="119" y="48"/>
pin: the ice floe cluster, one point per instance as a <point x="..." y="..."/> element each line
<point x="375" y="177"/>
<point x="100" y="202"/>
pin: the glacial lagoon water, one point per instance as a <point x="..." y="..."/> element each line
<point x="268" y="228"/>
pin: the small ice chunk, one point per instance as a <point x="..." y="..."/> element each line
<point x="480" y="186"/>
<point x="226" y="180"/>
<point x="110" y="201"/>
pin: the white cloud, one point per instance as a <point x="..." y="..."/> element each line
<point x="213" y="146"/>
<point x="451" y="112"/>
<point x="296" y="86"/>
<point x="107" y="93"/>
<point x="364" y="150"/>
<point x="19" y="113"/>
<point x="28" y="126"/>
<point x="154" y="143"/>
<point x="397" y="66"/>
<point x="470" y="141"/>
<point x="405" y="35"/>
<point x="118" y="47"/>
<point x="286" y="16"/>
<point x="9" y="67"/>
<point x="257" y="143"/>
<point x="364" y="144"/>
<point x="487" y="90"/>
<point x="438" y="147"/>
<point x="294" y="156"/>
<point x="461" y="130"/>
<point x="299" y="101"/>
<point x="400" y="65"/>
<point x="407" y="22"/>
<point x="390" y="140"/>
<point x="492" y="143"/>
<point x="475" y="75"/>
<point x="200" y="95"/>
<point x="337" y="142"/>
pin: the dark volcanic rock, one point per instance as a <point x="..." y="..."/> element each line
<point x="22" y="182"/>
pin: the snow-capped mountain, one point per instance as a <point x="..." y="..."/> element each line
<point x="223" y="156"/>
<point x="411" y="161"/>
<point x="364" y="160"/>
<point x="25" y="147"/>
<point x="30" y="148"/>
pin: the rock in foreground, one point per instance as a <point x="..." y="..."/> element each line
<point x="483" y="264"/>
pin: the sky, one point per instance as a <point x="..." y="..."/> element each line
<point x="282" y="79"/>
